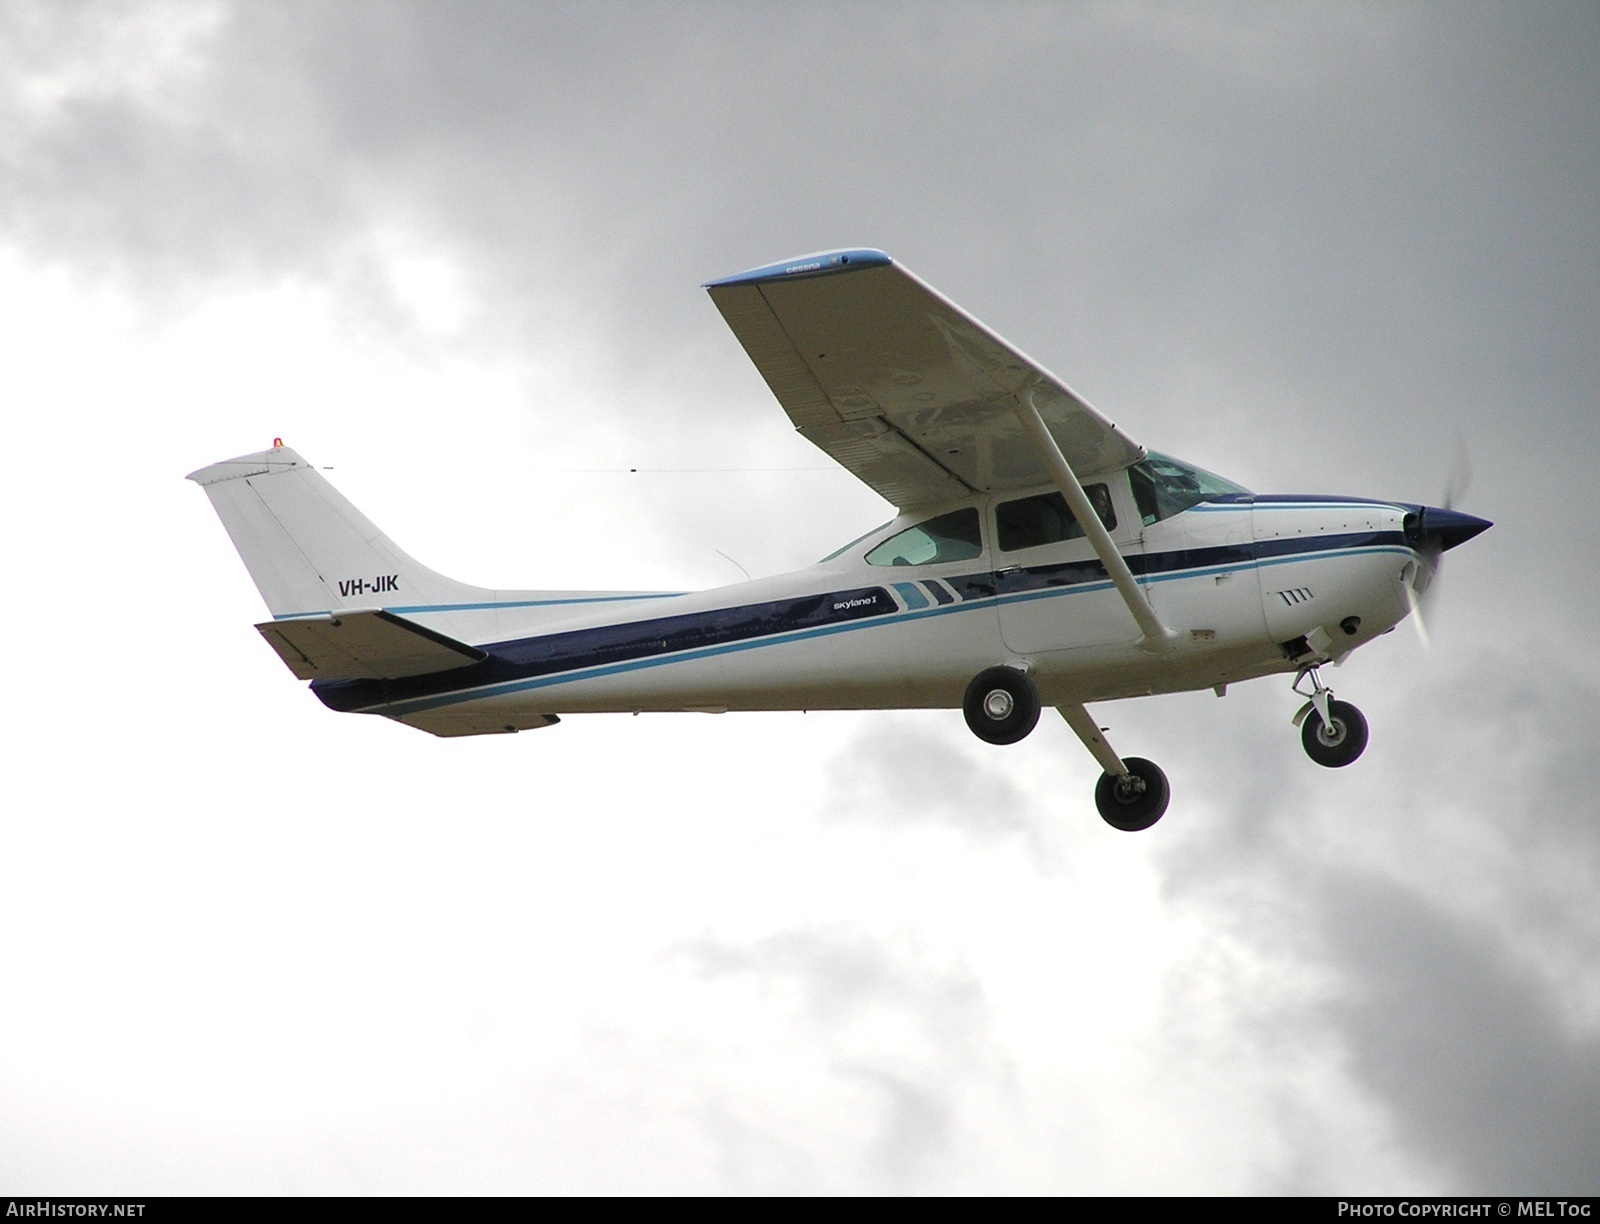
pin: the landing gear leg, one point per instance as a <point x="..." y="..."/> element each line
<point x="1132" y="794"/>
<point x="1333" y="733"/>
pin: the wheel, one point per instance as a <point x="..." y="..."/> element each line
<point x="1340" y="744"/>
<point x="1135" y="802"/>
<point x="1001" y="705"/>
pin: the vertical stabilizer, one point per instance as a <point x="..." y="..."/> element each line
<point x="307" y="548"/>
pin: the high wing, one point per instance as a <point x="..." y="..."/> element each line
<point x="901" y="386"/>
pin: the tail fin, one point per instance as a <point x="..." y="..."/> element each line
<point x="307" y="548"/>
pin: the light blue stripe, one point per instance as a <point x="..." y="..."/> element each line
<point x="689" y="656"/>
<point x="1311" y="505"/>
<point x="1246" y="507"/>
<point x="513" y="603"/>
<point x="707" y="652"/>
<point x="912" y="594"/>
<point x="821" y="263"/>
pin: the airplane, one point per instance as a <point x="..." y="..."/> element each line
<point x="1039" y="555"/>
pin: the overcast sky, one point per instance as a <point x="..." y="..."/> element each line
<point x="453" y="253"/>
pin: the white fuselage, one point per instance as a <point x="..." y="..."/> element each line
<point x="1251" y="586"/>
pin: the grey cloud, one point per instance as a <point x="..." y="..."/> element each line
<point x="512" y="117"/>
<point x="917" y="1127"/>
<point x="897" y="771"/>
<point x="1432" y="930"/>
<point x="1355" y="204"/>
<point x="846" y="981"/>
<point x="841" y="972"/>
<point x="1468" y="1048"/>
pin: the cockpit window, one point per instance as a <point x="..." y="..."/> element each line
<point x="950" y="537"/>
<point x="1163" y="487"/>
<point x="1029" y="522"/>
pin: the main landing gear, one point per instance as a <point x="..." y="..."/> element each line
<point x="1132" y="793"/>
<point x="1134" y="800"/>
<point x="1002" y="706"/>
<point x="1333" y="733"/>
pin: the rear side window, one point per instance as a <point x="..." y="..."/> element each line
<point x="1029" y="522"/>
<point x="844" y="548"/>
<point x="950" y="537"/>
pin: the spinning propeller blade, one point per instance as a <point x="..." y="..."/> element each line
<point x="1436" y="530"/>
<point x="1459" y="478"/>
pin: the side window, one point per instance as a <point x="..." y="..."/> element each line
<point x="950" y="537"/>
<point x="1029" y="522"/>
<point x="844" y="548"/>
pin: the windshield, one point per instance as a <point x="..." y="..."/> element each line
<point x="1164" y="486"/>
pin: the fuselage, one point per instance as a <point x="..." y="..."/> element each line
<point x="904" y="617"/>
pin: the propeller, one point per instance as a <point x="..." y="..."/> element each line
<point x="1437" y="529"/>
<point x="1459" y="478"/>
<point x="1424" y="578"/>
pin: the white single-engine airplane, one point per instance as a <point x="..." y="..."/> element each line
<point x="1040" y="555"/>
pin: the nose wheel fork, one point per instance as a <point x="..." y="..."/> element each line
<point x="1337" y="735"/>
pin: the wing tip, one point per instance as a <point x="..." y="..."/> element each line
<point x="820" y="263"/>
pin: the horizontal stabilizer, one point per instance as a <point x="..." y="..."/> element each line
<point x="367" y="645"/>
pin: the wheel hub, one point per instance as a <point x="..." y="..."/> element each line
<point x="1130" y="789"/>
<point x="998" y="704"/>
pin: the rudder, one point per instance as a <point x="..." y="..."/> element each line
<point x="308" y="549"/>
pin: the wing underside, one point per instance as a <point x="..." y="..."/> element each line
<point x="902" y="387"/>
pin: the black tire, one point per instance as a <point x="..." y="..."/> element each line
<point x="1335" y="747"/>
<point x="1135" y="802"/>
<point x="1001" y="705"/>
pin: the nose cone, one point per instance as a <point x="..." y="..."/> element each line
<point x="1450" y="527"/>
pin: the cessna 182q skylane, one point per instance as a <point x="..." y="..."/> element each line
<point x="1040" y="556"/>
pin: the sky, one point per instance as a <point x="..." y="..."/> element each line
<point x="452" y="253"/>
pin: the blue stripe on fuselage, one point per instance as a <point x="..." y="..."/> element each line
<point x="535" y="662"/>
<point x="497" y="604"/>
<point x="580" y="649"/>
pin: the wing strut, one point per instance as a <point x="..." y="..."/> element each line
<point x="1157" y="637"/>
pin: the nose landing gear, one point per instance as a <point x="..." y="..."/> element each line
<point x="1333" y="733"/>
